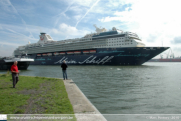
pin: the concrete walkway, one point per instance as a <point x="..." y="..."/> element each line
<point x="84" y="110"/>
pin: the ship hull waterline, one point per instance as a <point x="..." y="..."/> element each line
<point x="166" y="60"/>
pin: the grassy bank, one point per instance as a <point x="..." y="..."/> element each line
<point x="33" y="95"/>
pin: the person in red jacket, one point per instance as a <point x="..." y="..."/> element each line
<point x="15" y="72"/>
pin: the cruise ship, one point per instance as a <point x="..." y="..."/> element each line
<point x="113" y="47"/>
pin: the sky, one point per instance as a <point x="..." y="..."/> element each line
<point x="157" y="22"/>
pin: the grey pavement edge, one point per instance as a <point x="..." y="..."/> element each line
<point x="84" y="110"/>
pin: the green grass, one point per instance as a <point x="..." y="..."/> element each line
<point x="33" y="95"/>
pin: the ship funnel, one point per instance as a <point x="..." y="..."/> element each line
<point x="44" y="37"/>
<point x="42" y="33"/>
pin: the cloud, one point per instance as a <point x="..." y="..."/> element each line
<point x="159" y="20"/>
<point x="18" y="30"/>
<point x="5" y="5"/>
<point x="65" y="30"/>
<point x="85" y="3"/>
<point x="152" y="38"/>
<point x="62" y="13"/>
<point x="6" y="48"/>
<point x="1" y="27"/>
<point x="86" y="12"/>
<point x="176" y="40"/>
<point x="77" y="17"/>
<point x="7" y="43"/>
<point x="177" y="49"/>
<point x="154" y="21"/>
<point x="8" y="7"/>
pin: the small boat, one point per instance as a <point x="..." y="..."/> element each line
<point x="86" y="51"/>
<point x="92" y="51"/>
<point x="7" y="62"/>
<point x="44" y="54"/>
<point x="49" y="54"/>
<point x="38" y="54"/>
<point x="56" y="53"/>
<point x="62" y="53"/>
<point x="70" y="52"/>
<point x="77" y="52"/>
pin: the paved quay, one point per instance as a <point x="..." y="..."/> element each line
<point x="84" y="110"/>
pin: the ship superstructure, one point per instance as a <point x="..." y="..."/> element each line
<point x="101" y="39"/>
<point x="95" y="46"/>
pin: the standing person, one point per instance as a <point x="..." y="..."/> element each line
<point x="15" y="72"/>
<point x="64" y="67"/>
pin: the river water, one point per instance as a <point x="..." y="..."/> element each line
<point x="152" y="88"/>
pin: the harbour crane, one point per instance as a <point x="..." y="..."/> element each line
<point x="169" y="54"/>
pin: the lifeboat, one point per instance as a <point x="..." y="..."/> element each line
<point x="70" y="52"/>
<point x="86" y="51"/>
<point x="38" y="54"/>
<point x="49" y="54"/>
<point x="44" y="54"/>
<point x="92" y="51"/>
<point x="62" y="53"/>
<point x="56" y="53"/>
<point x="77" y="52"/>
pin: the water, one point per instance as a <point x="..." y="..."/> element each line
<point x="153" y="88"/>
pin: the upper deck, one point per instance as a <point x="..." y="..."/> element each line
<point x="101" y="39"/>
